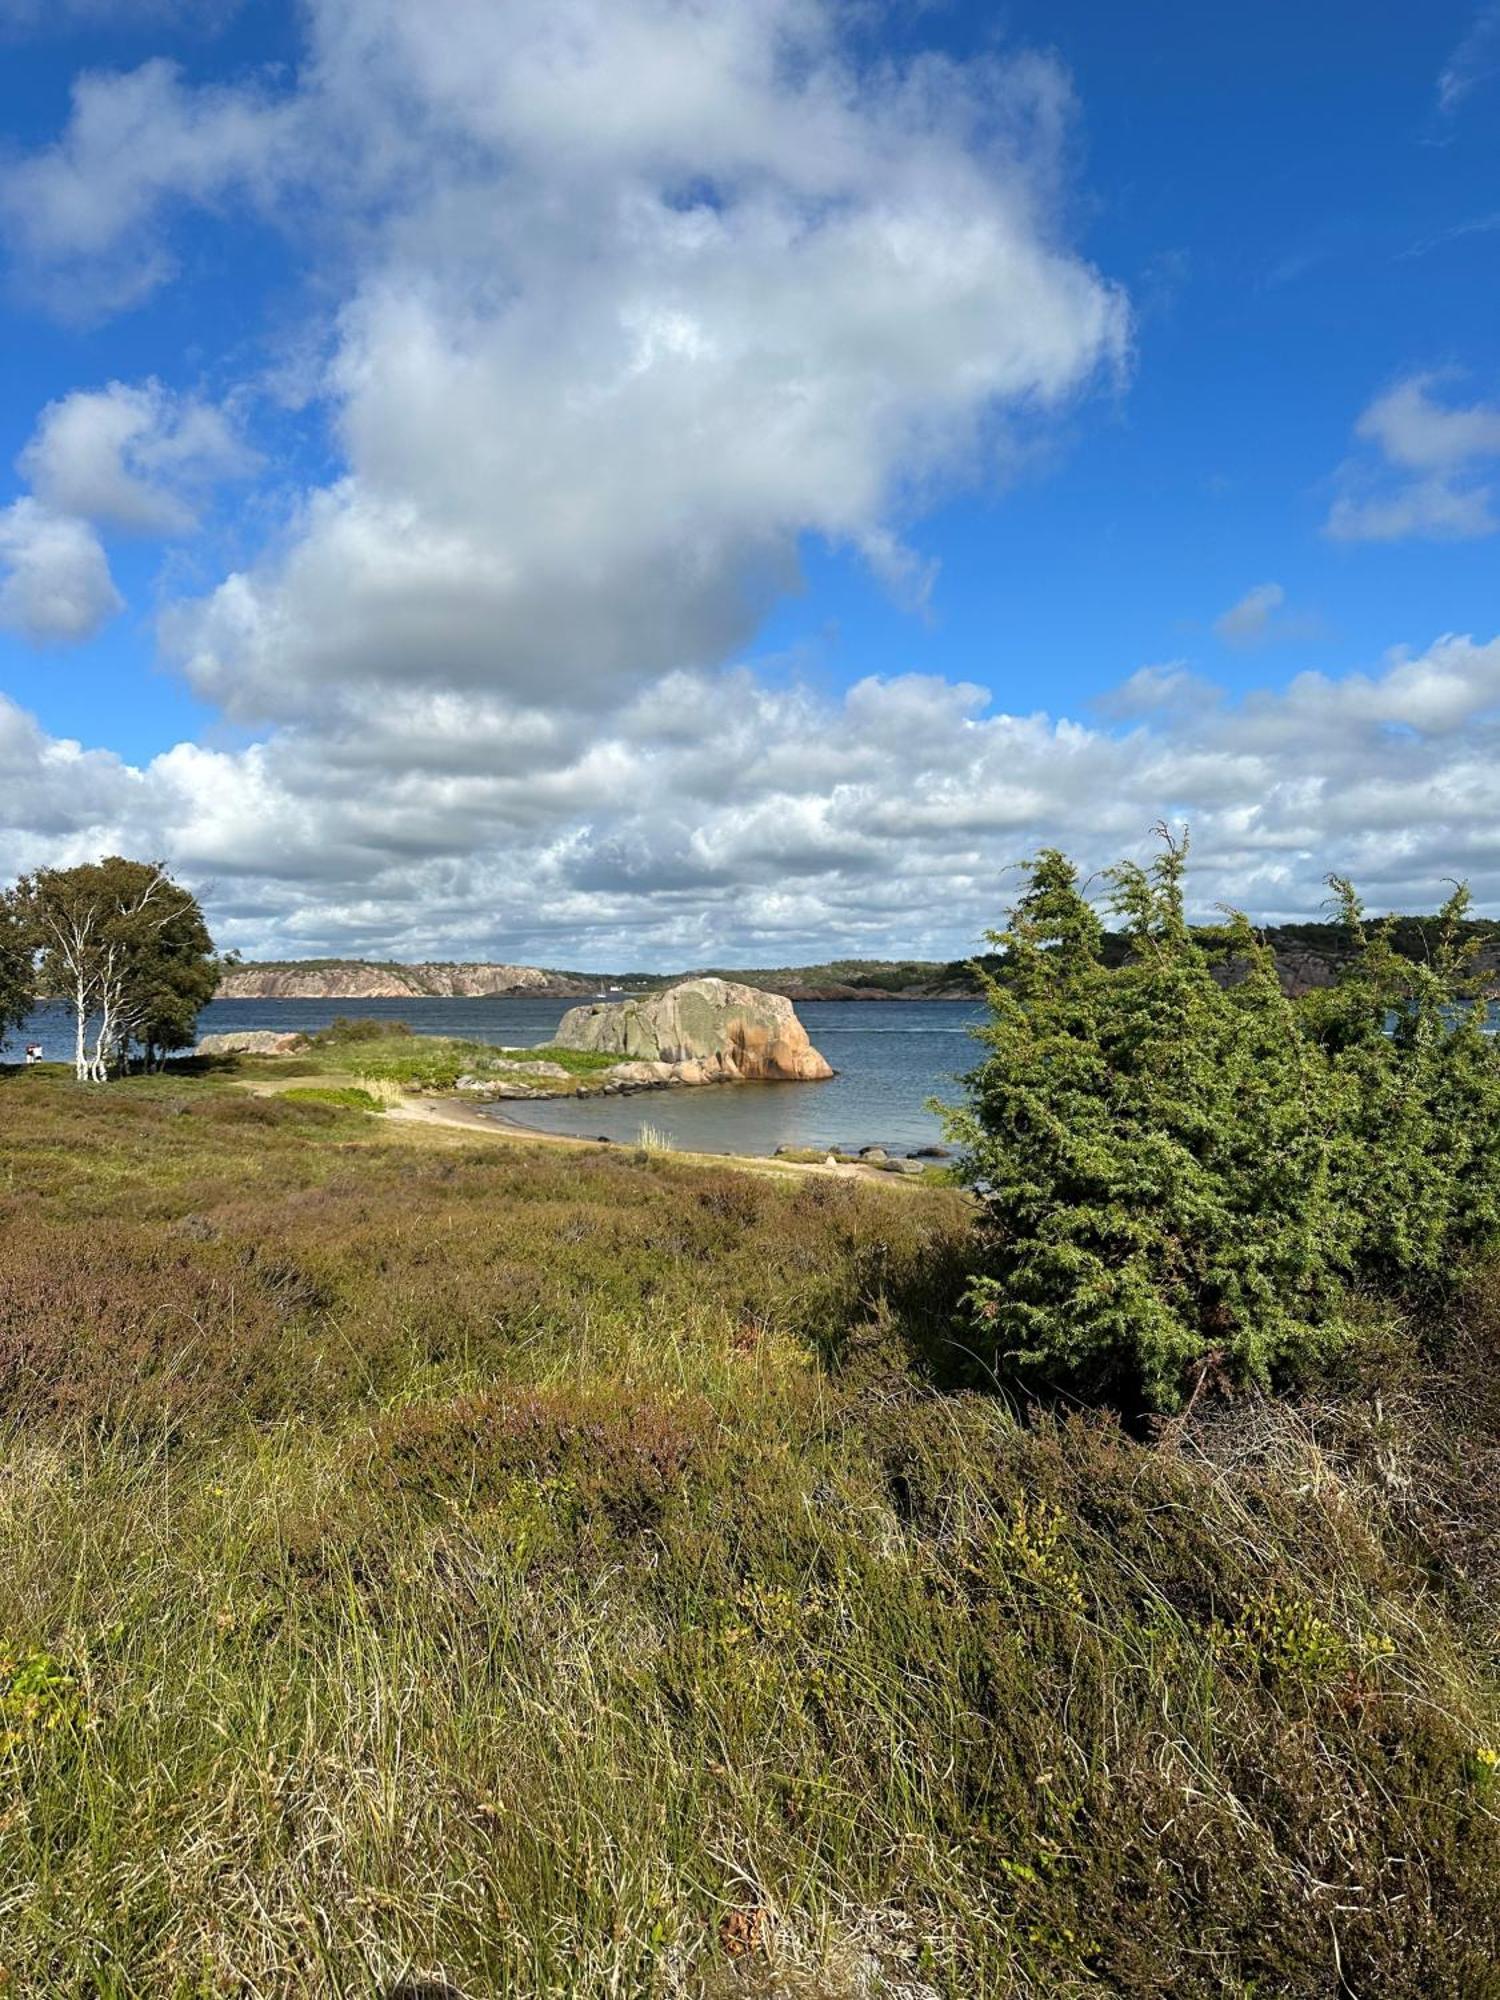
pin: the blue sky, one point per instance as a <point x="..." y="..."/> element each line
<point x="1046" y="351"/>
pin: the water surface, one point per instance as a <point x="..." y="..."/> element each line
<point x="891" y="1056"/>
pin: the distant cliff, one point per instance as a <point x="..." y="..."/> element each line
<point x="357" y="979"/>
<point x="1308" y="955"/>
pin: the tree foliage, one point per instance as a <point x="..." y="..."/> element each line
<point x="127" y="948"/>
<point x="17" y="971"/>
<point x="1184" y="1173"/>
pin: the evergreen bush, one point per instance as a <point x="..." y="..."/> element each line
<point x="1185" y="1175"/>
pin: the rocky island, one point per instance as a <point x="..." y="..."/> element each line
<point x="701" y="1031"/>
<point x="697" y="1032"/>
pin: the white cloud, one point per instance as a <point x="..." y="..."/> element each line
<point x="1427" y="509"/>
<point x="1413" y="429"/>
<point x="1248" y="621"/>
<point x="127" y="457"/>
<point x="638" y="297"/>
<point x="1436" y="450"/>
<point x="631" y="300"/>
<point x="83" y="214"/>
<point x="715" y="817"/>
<point x="1475" y="61"/>
<point x="130" y="456"/>
<point x="55" y="585"/>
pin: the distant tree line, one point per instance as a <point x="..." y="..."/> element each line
<point x="1188" y="1180"/>
<point x="122" y="945"/>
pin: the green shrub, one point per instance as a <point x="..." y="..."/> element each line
<point x="347" y="1097"/>
<point x="1417" y="1158"/>
<point x="362" y="1028"/>
<point x="436" y="1062"/>
<point x="1184" y="1172"/>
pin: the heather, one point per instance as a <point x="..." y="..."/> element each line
<point x="585" y="1571"/>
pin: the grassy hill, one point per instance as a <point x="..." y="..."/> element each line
<point x="566" y="1571"/>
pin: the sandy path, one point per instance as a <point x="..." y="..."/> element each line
<point x="464" y="1118"/>
<point x="438" y="1115"/>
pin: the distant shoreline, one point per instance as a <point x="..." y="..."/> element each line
<point x="1309" y="956"/>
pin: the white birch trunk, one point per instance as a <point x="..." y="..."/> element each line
<point x="80" y="1021"/>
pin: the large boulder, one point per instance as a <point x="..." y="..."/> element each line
<point x="725" y="1031"/>
<point x="251" y="1042"/>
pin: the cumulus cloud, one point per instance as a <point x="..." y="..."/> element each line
<point x="133" y="458"/>
<point x="55" y="585"/>
<point x="631" y="302"/>
<point x="1436" y="450"/>
<point x="82" y="216"/>
<point x="795" y="825"/>
<point x="130" y="456"/>
<point x="639" y="297"/>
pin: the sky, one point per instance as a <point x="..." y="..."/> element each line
<point x="642" y="483"/>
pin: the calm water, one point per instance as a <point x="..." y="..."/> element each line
<point x="891" y="1056"/>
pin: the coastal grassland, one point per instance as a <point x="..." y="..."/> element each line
<point x="564" y="1572"/>
<point x="436" y="1062"/>
<point x="347" y="1097"/>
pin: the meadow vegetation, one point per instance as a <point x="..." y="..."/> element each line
<point x="582" y="1571"/>
<point x="388" y="1052"/>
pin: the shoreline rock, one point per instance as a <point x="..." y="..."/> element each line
<point x="700" y="1031"/>
<point x="251" y="1042"/>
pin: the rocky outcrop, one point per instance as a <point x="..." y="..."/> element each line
<point x="705" y="1030"/>
<point x="358" y="980"/>
<point x="250" y="1042"/>
<point x="504" y="1079"/>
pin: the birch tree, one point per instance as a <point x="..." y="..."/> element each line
<point x="127" y="949"/>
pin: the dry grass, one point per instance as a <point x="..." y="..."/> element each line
<point x="556" y="1574"/>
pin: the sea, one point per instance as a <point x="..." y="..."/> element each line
<point x="890" y="1056"/>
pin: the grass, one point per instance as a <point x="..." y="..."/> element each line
<point x="559" y="1572"/>
<point x="348" y="1097"/>
<point x="436" y="1062"/>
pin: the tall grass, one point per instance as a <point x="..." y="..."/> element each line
<point x="559" y="1575"/>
